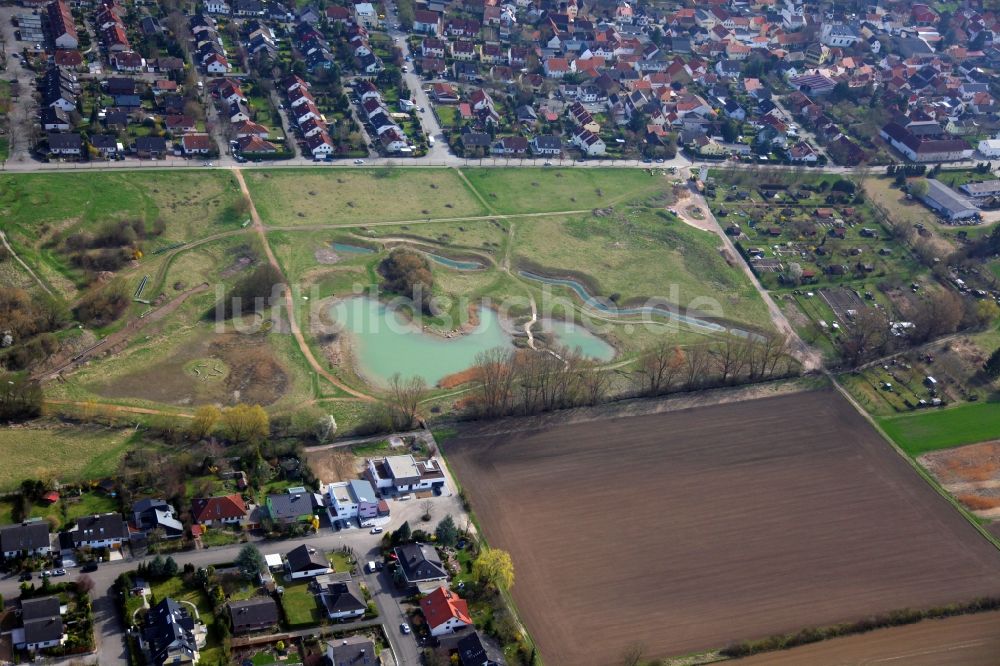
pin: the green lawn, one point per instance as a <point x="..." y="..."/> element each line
<point x="926" y="431"/>
<point x="39" y="211"/>
<point x="341" y="562"/>
<point x="541" y="190"/>
<point x="637" y="255"/>
<point x="303" y="197"/>
<point x="300" y="605"/>
<point x="62" y="452"/>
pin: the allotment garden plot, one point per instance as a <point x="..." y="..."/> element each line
<point x="698" y="528"/>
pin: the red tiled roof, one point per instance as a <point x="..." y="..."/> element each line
<point x="442" y="605"/>
<point x="217" y="508"/>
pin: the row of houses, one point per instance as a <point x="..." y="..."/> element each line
<point x="311" y="123"/>
<point x="387" y="131"/>
<point x="209" y="52"/>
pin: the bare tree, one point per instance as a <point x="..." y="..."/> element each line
<point x="867" y="336"/>
<point x="697" y="363"/>
<point x="406" y="396"/>
<point x="731" y="356"/>
<point x="495" y="370"/>
<point x="658" y="368"/>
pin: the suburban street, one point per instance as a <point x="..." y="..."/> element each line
<point x="110" y="631"/>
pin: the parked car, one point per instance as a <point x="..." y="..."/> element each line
<point x="405" y="628"/>
<point x="359" y="162"/>
<point x="88" y="567"/>
<point x="59" y="572"/>
<point x="46" y="574"/>
<point x="376" y="530"/>
<point x="25" y="576"/>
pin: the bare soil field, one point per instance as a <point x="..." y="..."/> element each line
<point x="693" y="529"/>
<point x="969" y="640"/>
<point x="970" y="473"/>
<point x="252" y="374"/>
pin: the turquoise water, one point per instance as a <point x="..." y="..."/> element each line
<point x="455" y="263"/>
<point x="385" y="342"/>
<point x="352" y="249"/>
<point x="576" y="336"/>
<point x="597" y="304"/>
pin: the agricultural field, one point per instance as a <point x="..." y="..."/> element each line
<point x="63" y="453"/>
<point x="970" y="640"/>
<point x="309" y="197"/>
<point x="751" y="520"/>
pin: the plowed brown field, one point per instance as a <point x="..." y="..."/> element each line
<point x="688" y="530"/>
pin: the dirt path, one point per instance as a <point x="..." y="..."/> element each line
<point x="3" y="237"/>
<point x="124" y="334"/>
<point x="120" y="408"/>
<point x="468" y="183"/>
<point x="810" y="358"/>
<point x="293" y="323"/>
<point x="425" y="220"/>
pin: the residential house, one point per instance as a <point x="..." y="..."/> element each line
<point x="444" y="93"/>
<point x="445" y="612"/>
<point x="510" y="146"/>
<point x="351" y="651"/>
<point x="839" y="35"/>
<point x="432" y="47"/>
<point x="180" y="124"/>
<point x="403" y="474"/>
<point x="170" y="635"/>
<point x="588" y="142"/>
<point x="341" y="597"/>
<point x="156" y="514"/>
<point x="295" y="504"/>
<point x="197" y="143"/>
<point x="65" y="145"/>
<point x="365" y="15"/>
<point x="306" y="562"/>
<point x="355" y="499"/>
<point x="106" y="145"/>
<point x="546" y="144"/>
<point x="319" y="145"/>
<point x="41" y="624"/>
<point x="27" y="539"/>
<point x="54" y="119"/>
<point x="427" y="22"/>
<point x="472" y="651"/>
<point x="250" y="615"/>
<point x="104" y="530"/>
<point x="419" y="563"/>
<point x="62" y="27"/>
<point x="217" y="7"/>
<point x="556" y="68"/>
<point x="151" y="147"/>
<point x="254" y="145"/>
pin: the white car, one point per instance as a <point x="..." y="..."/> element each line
<point x="405" y="628"/>
<point x="359" y="162"/>
<point x="376" y="530"/>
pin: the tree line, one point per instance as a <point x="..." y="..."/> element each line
<point x="524" y="382"/>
